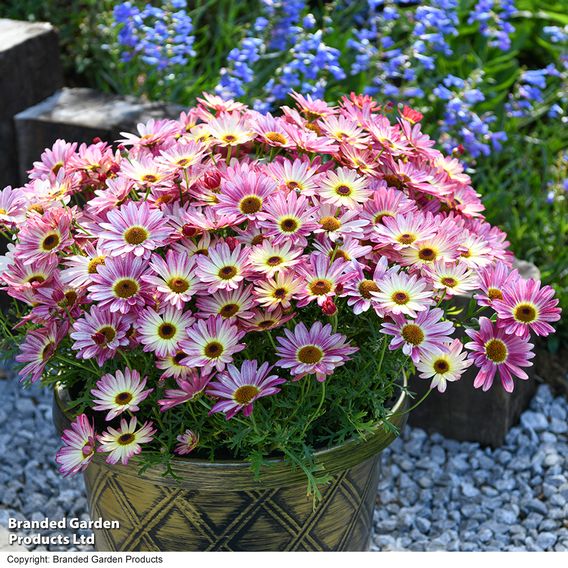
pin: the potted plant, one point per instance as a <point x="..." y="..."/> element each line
<point x="228" y="305"/>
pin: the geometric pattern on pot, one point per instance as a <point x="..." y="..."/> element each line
<point x="163" y="517"/>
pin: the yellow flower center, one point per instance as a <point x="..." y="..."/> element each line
<point x="525" y="313"/>
<point x="123" y="398"/>
<point x="50" y="241"/>
<point x="227" y="272"/>
<point x="400" y="298"/>
<point x="343" y="190"/>
<point x="178" y="285"/>
<point x="125" y="288"/>
<point x="135" y="235"/>
<point x="441" y="366"/>
<point x="330" y="223"/>
<point x="245" y="394"/>
<point x="250" y="204"/>
<point x="126" y="439"/>
<point x="427" y="254"/>
<point x="213" y="350"/>
<point x="289" y="225"/>
<point x="449" y="281"/>
<point x="366" y="287"/>
<point x="320" y="287"/>
<point x="412" y="334"/>
<point x="494" y="294"/>
<point x="310" y="354"/>
<point x="276" y="137"/>
<point x="95" y="263"/>
<point x="496" y="351"/>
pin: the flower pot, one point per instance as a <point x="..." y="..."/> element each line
<point x="221" y="506"/>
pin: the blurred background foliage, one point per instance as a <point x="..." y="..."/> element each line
<point x="490" y="76"/>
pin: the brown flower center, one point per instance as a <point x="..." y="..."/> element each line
<point x="394" y="181"/>
<point x="406" y="238"/>
<point x="213" y="350"/>
<point x="289" y="225"/>
<point x="178" y="357"/>
<point x="400" y="298"/>
<point x="257" y="239"/>
<point x="496" y="350"/>
<point x="229" y="310"/>
<point x="35" y="279"/>
<point x="69" y="299"/>
<point x="427" y="254"/>
<point x="494" y="294"/>
<point x="126" y="439"/>
<point x="310" y="354"/>
<point x="94" y="263"/>
<point x="449" y="281"/>
<point x="227" y="272"/>
<point x="293" y="185"/>
<point x="266" y="324"/>
<point x="50" y="241"/>
<point x="245" y="394"/>
<point x="330" y="223"/>
<point x="276" y="137"/>
<point x="366" y="287"/>
<point x="441" y="366"/>
<point x="167" y="330"/>
<point x="250" y="204"/>
<point x="343" y="190"/>
<point x="274" y="260"/>
<point x="279" y="293"/>
<point x="135" y="235"/>
<point x="525" y="313"/>
<point x="320" y="287"/>
<point x="412" y="334"/>
<point x="104" y="335"/>
<point x="123" y="398"/>
<point x="48" y="351"/>
<point x="380" y="216"/>
<point x="125" y="288"/>
<point x="178" y="285"/>
<point x="150" y="178"/>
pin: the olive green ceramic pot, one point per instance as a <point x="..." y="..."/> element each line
<point x="220" y="506"/>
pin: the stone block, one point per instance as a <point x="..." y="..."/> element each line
<point x="469" y="414"/>
<point x="30" y="71"/>
<point x="79" y="115"/>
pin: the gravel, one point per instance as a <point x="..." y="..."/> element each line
<point x="435" y="493"/>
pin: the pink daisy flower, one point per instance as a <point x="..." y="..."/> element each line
<point x="386" y="202"/>
<point x="495" y="351"/>
<point x="223" y="268"/>
<point x="12" y="207"/>
<point x="78" y="447"/>
<point x="229" y="304"/>
<point x="173" y="367"/>
<point x="161" y="332"/>
<point x="119" y="285"/>
<point x="322" y="279"/>
<point x="188" y="441"/>
<point x="174" y="277"/>
<point x="266" y="320"/>
<point x="318" y="351"/>
<point x="229" y="129"/>
<point x="454" y="278"/>
<point x="336" y="224"/>
<point x="44" y="236"/>
<point x="268" y="258"/>
<point x="243" y="194"/>
<point x="38" y="348"/>
<point x="526" y="306"/>
<point x="443" y="365"/>
<point x="53" y="159"/>
<point x="350" y="250"/>
<point x="99" y="334"/>
<point x="288" y="217"/>
<point x="124" y="443"/>
<point x="134" y="228"/>
<point x="298" y="175"/>
<point x="404" y="230"/>
<point x="146" y="172"/>
<point x="212" y="344"/>
<point x="401" y="293"/>
<point x="189" y="387"/>
<point x="81" y="267"/>
<point x="359" y="290"/>
<point x="278" y="291"/>
<point x="119" y="393"/>
<point x="239" y="388"/>
<point x="343" y="187"/>
<point x="420" y="336"/>
<point x="493" y="280"/>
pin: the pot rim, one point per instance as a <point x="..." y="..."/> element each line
<point x="277" y="472"/>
